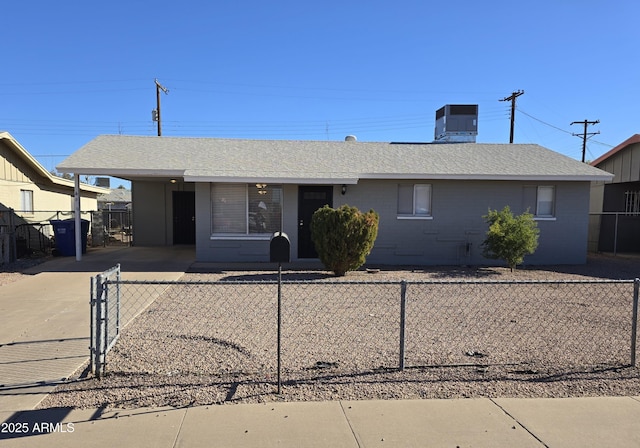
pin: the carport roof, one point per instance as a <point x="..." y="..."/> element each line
<point x="337" y="162"/>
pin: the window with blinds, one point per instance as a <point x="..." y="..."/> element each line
<point x="241" y="209"/>
<point x="540" y="201"/>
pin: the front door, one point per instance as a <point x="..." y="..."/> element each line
<point x="184" y="217"/>
<point x="310" y="199"/>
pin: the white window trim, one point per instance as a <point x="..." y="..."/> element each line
<point x="415" y="218"/>
<point x="240" y="236"/>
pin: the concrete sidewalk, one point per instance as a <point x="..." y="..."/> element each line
<point x="572" y="422"/>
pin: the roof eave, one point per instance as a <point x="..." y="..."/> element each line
<point x="511" y="177"/>
<point x="630" y="141"/>
<point x="115" y="172"/>
<point x="25" y="155"/>
<point x="273" y="180"/>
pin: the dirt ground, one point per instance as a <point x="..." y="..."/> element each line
<point x="165" y="358"/>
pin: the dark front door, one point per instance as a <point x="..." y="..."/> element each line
<point x="184" y="217"/>
<point x="310" y="199"/>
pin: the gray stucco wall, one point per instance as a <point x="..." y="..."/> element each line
<point x="457" y="224"/>
<point x="457" y="209"/>
<point x="153" y="211"/>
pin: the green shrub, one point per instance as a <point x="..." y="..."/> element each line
<point x="343" y="237"/>
<point x="509" y="237"/>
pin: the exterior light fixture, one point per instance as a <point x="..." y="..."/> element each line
<point x="173" y="181"/>
<point x="344" y="189"/>
<point x="261" y="188"/>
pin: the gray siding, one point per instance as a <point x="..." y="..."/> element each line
<point x="453" y="236"/>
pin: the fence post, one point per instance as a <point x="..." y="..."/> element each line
<point x="634" y="321"/>
<point x="118" y="286"/>
<point x="615" y="238"/>
<point x="92" y="328"/>
<point x="100" y="326"/>
<point x="279" y="328"/>
<point x="403" y="316"/>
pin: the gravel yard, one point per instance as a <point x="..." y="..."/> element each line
<point x="201" y="345"/>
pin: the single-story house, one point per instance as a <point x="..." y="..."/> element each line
<point x="615" y="224"/>
<point x="30" y="196"/>
<point x="228" y="196"/>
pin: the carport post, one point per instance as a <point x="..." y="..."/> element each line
<point x="634" y="321"/>
<point x="78" y="224"/>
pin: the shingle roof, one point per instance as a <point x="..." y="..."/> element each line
<point x="288" y="161"/>
<point x="116" y="195"/>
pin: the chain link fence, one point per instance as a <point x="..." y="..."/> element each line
<point x="229" y="328"/>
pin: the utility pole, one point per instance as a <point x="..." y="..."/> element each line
<point x="155" y="114"/>
<point x="512" y="98"/>
<point x="585" y="134"/>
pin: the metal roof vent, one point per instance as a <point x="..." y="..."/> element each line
<point x="350" y="138"/>
<point x="457" y="123"/>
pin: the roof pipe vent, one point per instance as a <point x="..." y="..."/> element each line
<point x="350" y="138"/>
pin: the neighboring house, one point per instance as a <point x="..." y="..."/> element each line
<point x="118" y="199"/>
<point x="113" y="217"/>
<point x="34" y="195"/>
<point x="228" y="196"/>
<point x="615" y="225"/>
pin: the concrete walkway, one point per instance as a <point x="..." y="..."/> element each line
<point x="44" y="333"/>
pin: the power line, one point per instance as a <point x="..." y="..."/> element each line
<point x="543" y="122"/>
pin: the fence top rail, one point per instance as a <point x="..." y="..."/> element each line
<point x="371" y="282"/>
<point x="110" y="272"/>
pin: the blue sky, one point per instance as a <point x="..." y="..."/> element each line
<point x="317" y="70"/>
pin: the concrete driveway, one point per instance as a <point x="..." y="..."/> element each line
<point x="44" y="316"/>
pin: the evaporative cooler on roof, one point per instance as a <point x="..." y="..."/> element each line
<point x="457" y="123"/>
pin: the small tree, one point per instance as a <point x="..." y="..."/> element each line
<point x="509" y="237"/>
<point x="343" y="237"/>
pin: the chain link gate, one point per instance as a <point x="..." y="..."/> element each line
<point x="105" y="317"/>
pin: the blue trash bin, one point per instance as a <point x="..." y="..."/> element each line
<point x="64" y="232"/>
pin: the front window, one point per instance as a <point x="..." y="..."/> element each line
<point x="414" y="200"/>
<point x="241" y="209"/>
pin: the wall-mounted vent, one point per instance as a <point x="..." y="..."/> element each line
<point x="457" y="123"/>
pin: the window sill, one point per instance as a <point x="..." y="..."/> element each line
<point x="240" y="237"/>
<point x="424" y="218"/>
<point x="540" y="218"/>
